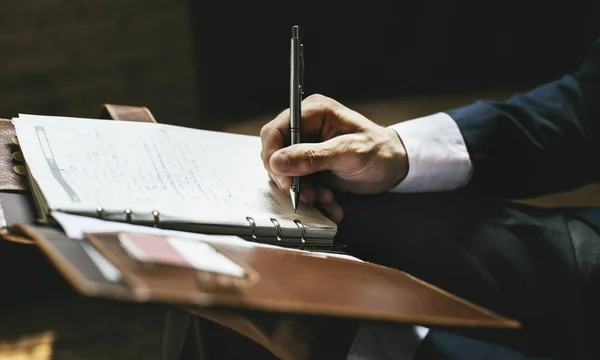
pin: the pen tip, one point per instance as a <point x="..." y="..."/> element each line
<point x="295" y="31"/>
<point x="295" y="196"/>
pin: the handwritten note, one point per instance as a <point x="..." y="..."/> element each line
<point x="186" y="174"/>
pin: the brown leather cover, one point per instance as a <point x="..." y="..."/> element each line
<point x="10" y="156"/>
<point x="71" y="259"/>
<point x="285" y="335"/>
<point x="350" y="290"/>
<point x="330" y="287"/>
<point x="321" y="286"/>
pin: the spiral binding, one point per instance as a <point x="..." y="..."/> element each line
<point x="129" y="215"/>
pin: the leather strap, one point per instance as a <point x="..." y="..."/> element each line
<point x="126" y="113"/>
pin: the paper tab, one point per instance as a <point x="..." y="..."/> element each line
<point x="178" y="252"/>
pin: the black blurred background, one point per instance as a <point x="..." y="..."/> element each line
<point x="210" y="64"/>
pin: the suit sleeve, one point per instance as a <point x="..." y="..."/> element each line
<point x="539" y="142"/>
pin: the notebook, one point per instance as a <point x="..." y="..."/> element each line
<point x="165" y="176"/>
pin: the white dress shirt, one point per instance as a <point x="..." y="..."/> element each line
<point x="438" y="160"/>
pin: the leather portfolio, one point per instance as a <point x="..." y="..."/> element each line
<point x="277" y="303"/>
<point x="283" y="299"/>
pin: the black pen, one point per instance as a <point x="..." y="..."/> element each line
<point x="296" y="69"/>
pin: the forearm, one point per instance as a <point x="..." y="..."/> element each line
<point x="438" y="159"/>
<point x="531" y="144"/>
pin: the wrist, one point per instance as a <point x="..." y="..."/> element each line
<point x="438" y="156"/>
<point x="400" y="163"/>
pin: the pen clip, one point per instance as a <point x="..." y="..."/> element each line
<point x="301" y="69"/>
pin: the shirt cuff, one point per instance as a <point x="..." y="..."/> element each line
<point x="438" y="159"/>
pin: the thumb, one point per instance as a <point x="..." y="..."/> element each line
<point x="307" y="158"/>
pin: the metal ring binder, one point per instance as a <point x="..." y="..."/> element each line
<point x="278" y="228"/>
<point x="101" y="212"/>
<point x="128" y="215"/>
<point x="303" y="229"/>
<point x="252" y="226"/>
<point x="156" y="215"/>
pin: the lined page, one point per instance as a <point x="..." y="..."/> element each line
<point x="186" y="174"/>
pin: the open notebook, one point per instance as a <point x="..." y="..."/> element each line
<point x="162" y="175"/>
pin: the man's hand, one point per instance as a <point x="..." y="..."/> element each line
<point x="340" y="148"/>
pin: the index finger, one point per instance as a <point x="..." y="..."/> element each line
<point x="316" y="110"/>
<point x="273" y="136"/>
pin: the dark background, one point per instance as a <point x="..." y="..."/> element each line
<point x="208" y="63"/>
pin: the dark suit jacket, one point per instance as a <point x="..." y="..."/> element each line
<point x="543" y="141"/>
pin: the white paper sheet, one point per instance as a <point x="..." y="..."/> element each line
<point x="75" y="227"/>
<point x="186" y="174"/>
<point x="204" y="257"/>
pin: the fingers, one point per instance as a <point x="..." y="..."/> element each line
<point x="322" y="197"/>
<point x="338" y="154"/>
<point x="273" y="136"/>
<point x="333" y="211"/>
<point x="311" y="192"/>
<point x="315" y="194"/>
<point x="282" y="182"/>
<point x="319" y="122"/>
